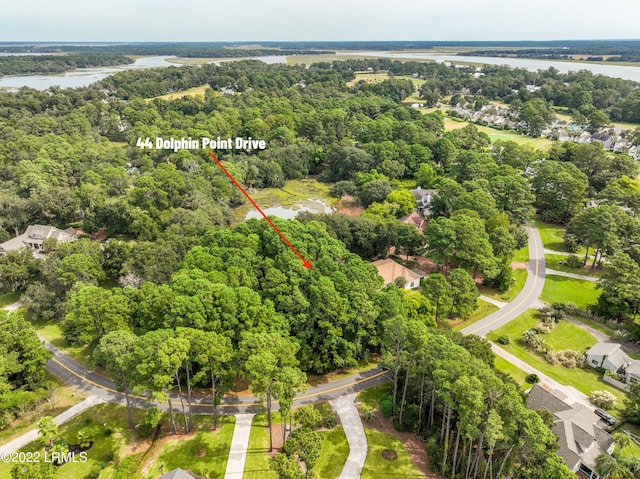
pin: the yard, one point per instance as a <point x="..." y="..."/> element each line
<point x="333" y="454"/>
<point x="552" y="236"/>
<point x="204" y="452"/>
<point x="8" y="298"/>
<point x="556" y="261"/>
<point x="560" y="289"/>
<point x="564" y="336"/>
<point x="517" y="374"/>
<point x="484" y="310"/>
<point x="257" y="464"/>
<point x="520" y="277"/>
<point x="376" y="466"/>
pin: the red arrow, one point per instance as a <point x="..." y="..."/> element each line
<point x="305" y="262"/>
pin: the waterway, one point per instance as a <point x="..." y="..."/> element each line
<point x="531" y="64"/>
<point x="85" y="76"/>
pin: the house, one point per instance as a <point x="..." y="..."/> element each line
<point x="423" y="200"/>
<point x="607" y="141"/>
<point x="634" y="152"/>
<point x="391" y="271"/>
<point x="177" y="474"/>
<point x="416" y="220"/>
<point x="581" y="438"/>
<point x="34" y="237"/>
<point x="611" y="357"/>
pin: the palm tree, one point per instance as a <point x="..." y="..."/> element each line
<point x="48" y="429"/>
<point x="610" y="467"/>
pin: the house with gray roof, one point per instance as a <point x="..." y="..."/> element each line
<point x="34" y="237"/>
<point x="611" y="357"/>
<point x="423" y="200"/>
<point x="581" y="437"/>
<point x="177" y="474"/>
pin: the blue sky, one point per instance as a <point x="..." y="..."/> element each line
<point x="242" y="20"/>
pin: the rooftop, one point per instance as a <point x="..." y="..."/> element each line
<point x="390" y="271"/>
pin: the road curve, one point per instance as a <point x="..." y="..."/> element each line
<point x="527" y="297"/>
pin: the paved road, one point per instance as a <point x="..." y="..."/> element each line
<point x="353" y="429"/>
<point x="527" y="297"/>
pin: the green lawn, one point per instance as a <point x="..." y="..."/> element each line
<point x="597" y="325"/>
<point x="205" y="452"/>
<point x="563" y="336"/>
<point x="559" y="289"/>
<point x="484" y="310"/>
<point x="556" y="261"/>
<point x="333" y="454"/>
<point x="107" y="446"/>
<point x="52" y="332"/>
<point x="377" y="467"/>
<point x="522" y="255"/>
<point x="552" y="236"/>
<point x="8" y="298"/>
<point x="516" y="373"/>
<point x="519" y="275"/>
<point x="371" y="396"/>
<point x="257" y="464"/>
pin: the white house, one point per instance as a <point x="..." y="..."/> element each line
<point x="611" y="357"/>
<point x="34" y="237"/>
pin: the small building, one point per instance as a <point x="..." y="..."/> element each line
<point x="607" y="141"/>
<point x="34" y="237"/>
<point x="581" y="438"/>
<point x="416" y="220"/>
<point x="391" y="271"/>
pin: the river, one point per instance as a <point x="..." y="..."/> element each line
<point x="615" y="71"/>
<point x="85" y="76"/>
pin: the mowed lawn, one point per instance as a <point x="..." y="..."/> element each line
<point x="257" y="463"/>
<point x="557" y="262"/>
<point x="559" y="289"/>
<point x="333" y="454"/>
<point x="484" y="310"/>
<point x="377" y="467"/>
<point x="517" y="374"/>
<point x="564" y="336"/>
<point x="552" y="236"/>
<point x="204" y="452"/>
<point x="520" y="277"/>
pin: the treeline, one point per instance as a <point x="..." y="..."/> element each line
<point x="27" y="65"/>
<point x="621" y="51"/>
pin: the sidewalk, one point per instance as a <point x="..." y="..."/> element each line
<point x="30" y="436"/>
<point x="495" y="302"/>
<point x="583" y="277"/>
<point x="353" y="429"/>
<point x="239" y="445"/>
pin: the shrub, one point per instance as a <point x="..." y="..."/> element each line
<point x="571" y="242"/>
<point x="342" y="188"/>
<point x="532" y="379"/>
<point x="149" y="422"/>
<point x="386" y="405"/>
<point x="367" y="414"/>
<point x="308" y="416"/>
<point x="569" y="359"/>
<point x="503" y="340"/>
<point x="85" y="438"/>
<point x="602" y="399"/>
<point x="329" y="421"/>
<point x="573" y="261"/>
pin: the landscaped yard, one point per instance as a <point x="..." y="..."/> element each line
<point x="564" y="336"/>
<point x="107" y="423"/>
<point x="333" y="455"/>
<point x="555" y="261"/>
<point x="204" y="452"/>
<point x="552" y="236"/>
<point x="520" y="277"/>
<point x="516" y="373"/>
<point x="257" y="464"/>
<point x="559" y="289"/>
<point x="484" y="310"/>
<point x="371" y="396"/>
<point x="377" y="467"/>
<point x="522" y="255"/>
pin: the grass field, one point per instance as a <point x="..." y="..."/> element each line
<point x="257" y="464"/>
<point x="563" y="336"/>
<point x="333" y="454"/>
<point x="377" y="467"/>
<point x="522" y="255"/>
<point x="484" y="310"/>
<point x="555" y="261"/>
<point x="495" y="134"/>
<point x="52" y="332"/>
<point x="106" y="445"/>
<point x="519" y="275"/>
<point x="198" y="90"/>
<point x="8" y="298"/>
<point x="205" y="452"/>
<point x="552" y="236"/>
<point x="559" y="289"/>
<point x="516" y="373"/>
<point x="370" y="397"/>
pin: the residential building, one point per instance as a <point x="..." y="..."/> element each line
<point x="178" y="474"/>
<point x="391" y="271"/>
<point x="423" y="200"/>
<point x="581" y="437"/>
<point x="34" y="237"/>
<point x="611" y="357"/>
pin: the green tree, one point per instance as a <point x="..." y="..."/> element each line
<point x="438" y="292"/>
<point x="464" y="294"/>
<point x="47" y="429"/>
<point x="402" y="202"/>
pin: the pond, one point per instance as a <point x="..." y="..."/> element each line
<point x="312" y="205"/>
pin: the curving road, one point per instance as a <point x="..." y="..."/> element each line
<point x="527" y="297"/>
<point x="95" y="384"/>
